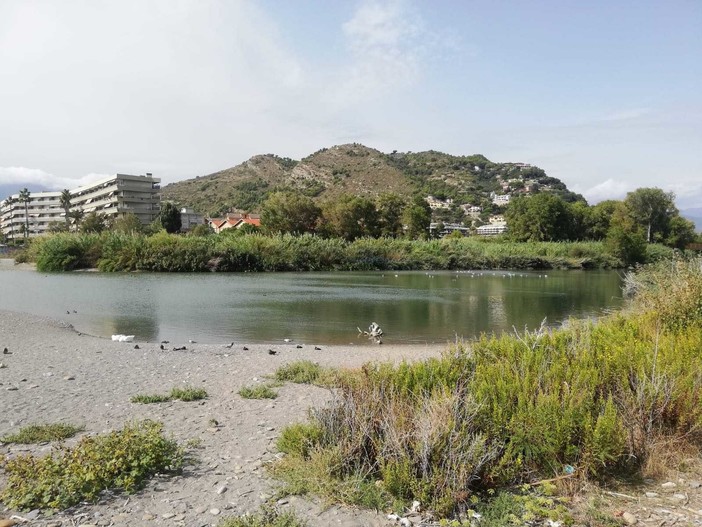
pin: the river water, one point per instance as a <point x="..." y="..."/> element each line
<point x="319" y="308"/>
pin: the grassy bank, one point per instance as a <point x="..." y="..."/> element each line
<point x="591" y="401"/>
<point x="170" y="253"/>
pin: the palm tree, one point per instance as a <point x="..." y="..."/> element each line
<point x="66" y="204"/>
<point x="9" y="202"/>
<point x="76" y="216"/>
<point x="24" y="197"/>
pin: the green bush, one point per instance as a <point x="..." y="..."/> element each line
<point x="511" y="409"/>
<point x="163" y="252"/>
<point x="183" y="394"/>
<point x="301" y="372"/>
<point x="42" y="433"/>
<point x="122" y="460"/>
<point x="267" y="517"/>
<point x="259" y="391"/>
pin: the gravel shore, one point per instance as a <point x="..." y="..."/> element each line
<point x="55" y="374"/>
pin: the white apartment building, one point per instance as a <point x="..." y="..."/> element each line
<point x="43" y="209"/>
<point x="113" y="196"/>
<point x="492" y="229"/>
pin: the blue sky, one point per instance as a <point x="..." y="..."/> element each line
<point x="603" y="95"/>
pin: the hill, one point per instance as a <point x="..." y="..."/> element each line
<point x="357" y="169"/>
<point x="695" y="216"/>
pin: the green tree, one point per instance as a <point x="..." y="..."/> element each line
<point x="170" y="217"/>
<point x="350" y="217"/>
<point x="76" y="218"/>
<point x="625" y="238"/>
<point x="65" y="200"/>
<point x="681" y="232"/>
<point x="94" y="222"/>
<point x="390" y="207"/>
<point x="417" y="218"/>
<point x="543" y="217"/>
<point x="652" y="209"/>
<point x="129" y="224"/>
<point x="55" y="227"/>
<point x="200" y="230"/>
<point x="289" y="212"/>
<point x="600" y="216"/>
<point x="24" y="197"/>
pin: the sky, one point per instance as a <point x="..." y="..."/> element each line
<point x="606" y="96"/>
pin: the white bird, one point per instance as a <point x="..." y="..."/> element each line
<point x="287" y="340"/>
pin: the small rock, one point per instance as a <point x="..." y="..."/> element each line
<point x="179" y="517"/>
<point x="652" y="494"/>
<point x="11" y="388"/>
<point x="214" y="512"/>
<point x="201" y="510"/>
<point x="222" y="489"/>
<point x="167" y="516"/>
<point x="2" y="365"/>
<point x="7" y="522"/>
<point x="678" y="497"/>
<point x="69" y="378"/>
<point x="669" y="485"/>
<point x="264" y="497"/>
<point x="147" y="517"/>
<point x="53" y="524"/>
<point x="695" y="484"/>
<point x="629" y="518"/>
<point x="282" y="501"/>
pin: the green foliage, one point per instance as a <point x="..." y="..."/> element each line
<point x="94" y="222"/>
<point x="349" y="217"/>
<point x="287" y="212"/>
<point x="170" y="217"/>
<point x="301" y="372"/>
<point x="258" y="391"/>
<point x="508" y="410"/>
<point x="128" y="224"/>
<point x="299" y="439"/>
<point x="267" y="517"/>
<point x="625" y="239"/>
<point x="122" y="460"/>
<point x="186" y="394"/>
<point x="652" y="209"/>
<point x="162" y="252"/>
<point x="390" y="209"/>
<point x="417" y="217"/>
<point x="42" y="433"/>
<point x="543" y="217"/>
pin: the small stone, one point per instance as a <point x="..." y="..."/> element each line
<point x="222" y="489"/>
<point x="2" y="365"/>
<point x="678" y="497"/>
<point x="179" y="517"/>
<point x="652" y="494"/>
<point x="264" y="496"/>
<point x="7" y="523"/>
<point x="214" y="512"/>
<point x="69" y="378"/>
<point x="201" y="510"/>
<point x="695" y="484"/>
<point x="282" y="501"/>
<point x="12" y="388"/>
<point x="167" y="516"/>
<point x="629" y="518"/>
<point x="147" y="517"/>
<point x="669" y="485"/>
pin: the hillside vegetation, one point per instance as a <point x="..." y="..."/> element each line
<point x="357" y="170"/>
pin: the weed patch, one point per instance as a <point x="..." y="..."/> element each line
<point x="42" y="433"/>
<point x="122" y="460"/>
<point x="180" y="394"/>
<point x="301" y="372"/>
<point x="259" y="391"/>
<point x="267" y="517"/>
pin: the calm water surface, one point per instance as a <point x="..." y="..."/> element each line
<point x="324" y="308"/>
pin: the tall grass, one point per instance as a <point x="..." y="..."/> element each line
<point x="112" y="251"/>
<point x="598" y="397"/>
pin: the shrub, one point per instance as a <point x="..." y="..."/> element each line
<point x="508" y="410"/>
<point x="259" y="391"/>
<point x="42" y="433"/>
<point x="122" y="460"/>
<point x="186" y="394"/>
<point x="301" y="372"/>
<point x="267" y="517"/>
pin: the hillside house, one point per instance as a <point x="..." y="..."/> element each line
<point x="234" y="221"/>
<point x="435" y="203"/>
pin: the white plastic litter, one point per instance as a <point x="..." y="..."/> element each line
<point x="123" y="338"/>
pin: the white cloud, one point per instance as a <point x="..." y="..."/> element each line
<point x="34" y="176"/>
<point x="387" y="42"/>
<point x="609" y="189"/>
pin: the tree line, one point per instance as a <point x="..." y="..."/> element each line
<point x="646" y="215"/>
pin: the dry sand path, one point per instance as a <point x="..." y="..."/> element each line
<point x="55" y="374"/>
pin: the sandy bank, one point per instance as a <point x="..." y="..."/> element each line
<point x="54" y="374"/>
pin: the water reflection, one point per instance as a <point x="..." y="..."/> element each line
<point x="311" y="307"/>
